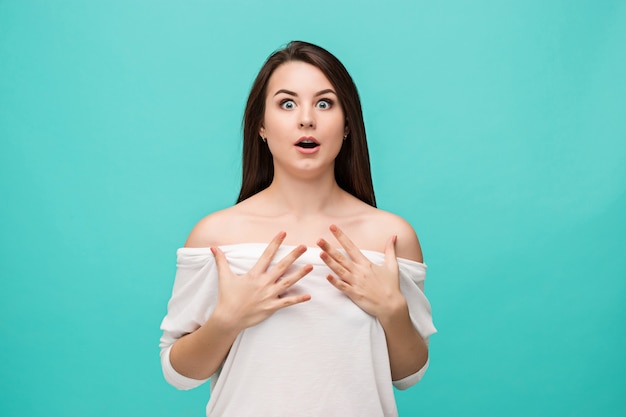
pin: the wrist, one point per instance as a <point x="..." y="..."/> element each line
<point x="225" y="322"/>
<point x="396" y="309"/>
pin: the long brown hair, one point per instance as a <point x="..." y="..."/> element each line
<point x="352" y="165"/>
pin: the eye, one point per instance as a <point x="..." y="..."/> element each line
<point x="324" y="104"/>
<point x="287" y="104"/>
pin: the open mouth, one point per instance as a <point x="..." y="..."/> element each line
<point x="307" y="144"/>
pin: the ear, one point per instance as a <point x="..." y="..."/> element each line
<point x="262" y="131"/>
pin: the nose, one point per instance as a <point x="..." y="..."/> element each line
<point x="307" y="119"/>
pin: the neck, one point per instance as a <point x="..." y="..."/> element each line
<point x="305" y="197"/>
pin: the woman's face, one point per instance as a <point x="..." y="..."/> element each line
<point x="303" y="122"/>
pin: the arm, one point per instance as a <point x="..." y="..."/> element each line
<point x="243" y="301"/>
<point x="376" y="289"/>
<point x="408" y="352"/>
<point x="199" y="354"/>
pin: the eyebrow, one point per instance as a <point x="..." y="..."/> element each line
<point x="291" y="93"/>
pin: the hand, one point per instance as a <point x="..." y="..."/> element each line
<point x="246" y="300"/>
<point x="374" y="288"/>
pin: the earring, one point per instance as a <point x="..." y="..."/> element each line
<point x="345" y="137"/>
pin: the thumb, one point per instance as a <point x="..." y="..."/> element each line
<point x="390" y="252"/>
<point x="221" y="262"/>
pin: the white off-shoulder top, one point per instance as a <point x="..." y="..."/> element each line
<point x="325" y="357"/>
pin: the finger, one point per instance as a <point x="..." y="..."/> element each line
<point x="390" y="252"/>
<point x="352" y="250"/>
<point x="287" y="282"/>
<point x="268" y="254"/>
<point x="336" y="267"/>
<point x="222" y="264"/>
<point x="287" y="261"/>
<point x="291" y="300"/>
<point x="335" y="254"/>
<point x="341" y="285"/>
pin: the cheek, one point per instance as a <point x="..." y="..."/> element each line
<point x="273" y="123"/>
<point x="339" y="126"/>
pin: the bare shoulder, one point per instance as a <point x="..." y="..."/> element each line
<point x="210" y="231"/>
<point x="407" y="245"/>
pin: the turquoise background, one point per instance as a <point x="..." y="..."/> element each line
<point x="497" y="128"/>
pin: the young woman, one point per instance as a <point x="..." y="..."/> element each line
<point x="325" y="318"/>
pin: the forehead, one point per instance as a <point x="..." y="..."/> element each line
<point x="298" y="77"/>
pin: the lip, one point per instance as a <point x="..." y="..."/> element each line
<point x="309" y="138"/>
<point x="307" y="151"/>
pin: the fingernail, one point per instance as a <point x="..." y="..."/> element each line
<point x="333" y="228"/>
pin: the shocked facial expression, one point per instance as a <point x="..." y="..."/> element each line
<point x="304" y="123"/>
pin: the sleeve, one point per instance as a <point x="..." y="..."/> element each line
<point x="193" y="299"/>
<point x="412" y="276"/>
